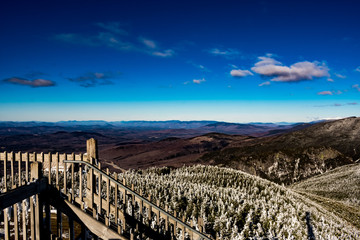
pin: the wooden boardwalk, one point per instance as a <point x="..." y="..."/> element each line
<point x="75" y="185"/>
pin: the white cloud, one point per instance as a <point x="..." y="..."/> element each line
<point x="198" y="81"/>
<point x="330" y="80"/>
<point x="240" y="73"/>
<point x="299" y="71"/>
<point x="357" y="69"/>
<point x="165" y="53"/>
<point x="267" y="83"/>
<point x="148" y="43"/>
<point x="228" y="53"/>
<point x="325" y="93"/>
<point x="32" y="83"/>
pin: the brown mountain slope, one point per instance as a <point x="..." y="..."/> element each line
<point x="296" y="155"/>
<point x="168" y="152"/>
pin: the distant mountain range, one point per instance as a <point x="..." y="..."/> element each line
<point x="171" y="124"/>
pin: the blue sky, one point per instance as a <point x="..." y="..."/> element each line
<point x="236" y="61"/>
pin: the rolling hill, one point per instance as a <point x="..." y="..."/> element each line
<point x="296" y="155"/>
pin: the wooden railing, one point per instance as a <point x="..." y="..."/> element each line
<point x="100" y="203"/>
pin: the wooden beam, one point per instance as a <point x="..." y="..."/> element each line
<point x="18" y="194"/>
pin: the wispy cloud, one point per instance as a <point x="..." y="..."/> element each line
<point x="198" y="81"/>
<point x="330" y="80"/>
<point x="93" y="79"/>
<point x="113" y="36"/>
<point x="199" y="66"/>
<point x="112" y="41"/>
<point x="148" y="43"/>
<point x="240" y="73"/>
<point x="325" y="93"/>
<point x="31" y="83"/>
<point x="267" y="83"/>
<point x="356" y="86"/>
<point x="340" y="75"/>
<point x="357" y="69"/>
<point x="227" y="53"/>
<point x="300" y="71"/>
<point x="338" y="104"/>
<point x="77" y="39"/>
<point x="165" y="53"/>
<point x="114" y="27"/>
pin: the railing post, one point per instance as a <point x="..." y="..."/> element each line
<point x="12" y="177"/>
<point x="24" y="223"/>
<point x="72" y="179"/>
<point x="107" y="208"/>
<point x="27" y="162"/>
<point x="6" y="222"/>
<point x="91" y="149"/>
<point x="92" y="154"/>
<point x="19" y="168"/>
<point x="50" y="163"/>
<point x="5" y="171"/>
<point x="36" y="174"/>
<point x="81" y="183"/>
<point x="57" y="171"/>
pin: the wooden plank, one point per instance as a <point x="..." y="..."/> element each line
<point x="65" y="178"/>
<point x="6" y="224"/>
<point x="12" y="176"/>
<point x="116" y="206"/>
<point x="32" y="218"/>
<point x="72" y="179"/>
<point x="27" y="167"/>
<point x="57" y="170"/>
<point x="19" y="168"/>
<point x="49" y="166"/>
<point x="81" y="182"/>
<point x="99" y="194"/>
<point x="24" y="223"/>
<point x="107" y="206"/>
<point x="95" y="226"/>
<point x="41" y="157"/>
<point x="5" y="171"/>
<point x="38" y="217"/>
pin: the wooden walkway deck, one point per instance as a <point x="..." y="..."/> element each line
<point x="76" y="186"/>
